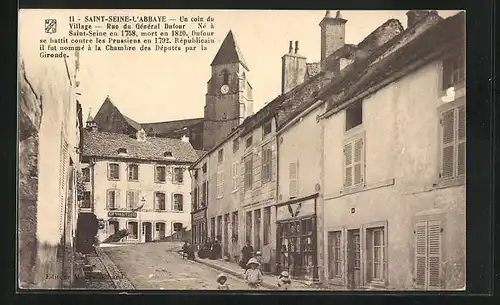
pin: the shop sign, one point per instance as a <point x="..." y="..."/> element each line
<point x="296" y="209"/>
<point x="199" y="215"/>
<point x="128" y="214"/>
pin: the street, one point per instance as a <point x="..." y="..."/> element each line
<point x="158" y="266"/>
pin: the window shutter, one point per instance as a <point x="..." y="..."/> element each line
<point x="117" y="199"/>
<point x="129" y="199"/>
<point x="293" y="179"/>
<point x="434" y="253"/>
<point x="348" y="164"/>
<point x="448" y="153"/>
<point x="421" y="254"/>
<point x="358" y="161"/>
<point x="109" y="171"/>
<point x="108" y="199"/>
<point x="461" y="141"/>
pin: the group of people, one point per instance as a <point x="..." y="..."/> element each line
<point x="210" y="250"/>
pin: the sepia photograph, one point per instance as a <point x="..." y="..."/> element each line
<point x="255" y="150"/>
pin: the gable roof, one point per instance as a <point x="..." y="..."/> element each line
<point x="229" y="52"/>
<point x="170" y="126"/>
<point x="106" y="145"/>
<point x="131" y="122"/>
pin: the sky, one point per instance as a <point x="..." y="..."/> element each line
<point x="155" y="86"/>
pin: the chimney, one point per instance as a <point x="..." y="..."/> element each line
<point x="415" y="16"/>
<point x="332" y="34"/>
<point x="293" y="68"/>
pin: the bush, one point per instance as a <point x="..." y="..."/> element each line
<point x="117" y="236"/>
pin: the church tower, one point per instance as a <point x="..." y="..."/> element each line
<point x="229" y="94"/>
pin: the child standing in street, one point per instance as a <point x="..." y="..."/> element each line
<point x="253" y="275"/>
<point x="284" y="281"/>
<point x="222" y="281"/>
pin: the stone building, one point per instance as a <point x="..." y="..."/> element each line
<point x="385" y="176"/>
<point x="49" y="142"/>
<point x="138" y="183"/>
<point x="227" y="103"/>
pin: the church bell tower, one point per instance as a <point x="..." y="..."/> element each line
<point x="229" y="94"/>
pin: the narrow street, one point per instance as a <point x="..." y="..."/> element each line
<point x="158" y="266"/>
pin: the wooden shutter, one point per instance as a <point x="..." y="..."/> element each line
<point x="421" y="254"/>
<point x="461" y="141"/>
<point x="358" y="161"/>
<point x="130" y="198"/>
<point x="292" y="179"/>
<point x="448" y="149"/>
<point x="434" y="253"/>
<point x="348" y="165"/>
<point x="331" y="255"/>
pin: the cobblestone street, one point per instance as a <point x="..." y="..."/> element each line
<point x="158" y="266"/>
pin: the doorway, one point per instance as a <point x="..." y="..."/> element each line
<point x="146" y="231"/>
<point x="353" y="259"/>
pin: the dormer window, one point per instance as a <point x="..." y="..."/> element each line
<point x="168" y="154"/>
<point x="122" y="151"/>
<point x="141" y="135"/>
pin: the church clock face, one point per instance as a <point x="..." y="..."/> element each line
<point x="224" y="89"/>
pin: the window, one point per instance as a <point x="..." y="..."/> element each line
<point x="249" y="142"/>
<point x="234" y="175"/>
<point x="235" y="227"/>
<point x="112" y="199"/>
<point x="220" y="184"/>
<point x="220" y="156"/>
<point x="133" y="172"/>
<point x="334" y="255"/>
<point x="225" y="77"/>
<point x="160" y="230"/>
<point x="160" y="174"/>
<point x="86" y="174"/>
<point x="194" y="203"/>
<point x="453" y="143"/>
<point x="428" y="260"/>
<point x="160" y="201"/>
<point x="122" y="151"/>
<point x="219" y="228"/>
<point x="133" y="230"/>
<point x="267" y="155"/>
<point x="453" y="70"/>
<point x="353" y="163"/>
<point x="266" y="129"/>
<point x="256" y="231"/>
<point x="178" y="175"/>
<point x="132" y="199"/>
<point x="248" y="226"/>
<point x="204" y="168"/>
<point x="86" y="200"/>
<point x="204" y="194"/>
<point x="167" y="154"/>
<point x="248" y="172"/>
<point x="236" y="145"/>
<point x="114" y="171"/>
<point x="177" y="227"/>
<point x="113" y="227"/>
<point x="293" y="172"/>
<point x="212" y="228"/>
<point x="178" y="202"/>
<point x="354" y="115"/>
<point x="267" y="225"/>
<point x="375" y="254"/>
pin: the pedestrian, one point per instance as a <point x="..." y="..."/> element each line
<point x="284" y="281"/>
<point x="246" y="254"/>
<point x="222" y="282"/>
<point x="253" y="275"/>
<point x="185" y="249"/>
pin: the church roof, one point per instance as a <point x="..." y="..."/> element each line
<point x="106" y="144"/>
<point x="169" y="126"/>
<point x="229" y="52"/>
<point x="132" y="123"/>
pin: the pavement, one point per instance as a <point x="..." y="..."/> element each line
<point x="158" y="266"/>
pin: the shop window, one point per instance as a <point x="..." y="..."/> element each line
<point x="160" y="201"/>
<point x="133" y="230"/>
<point x="133" y="172"/>
<point x="178" y="202"/>
<point x="113" y="227"/>
<point x="354" y="115"/>
<point x="113" y="171"/>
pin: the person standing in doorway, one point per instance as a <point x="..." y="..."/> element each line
<point x="246" y="254"/>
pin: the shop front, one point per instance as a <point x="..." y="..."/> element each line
<point x="199" y="226"/>
<point x="296" y="246"/>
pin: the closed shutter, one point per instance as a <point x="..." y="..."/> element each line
<point x="461" y="141"/>
<point x="348" y="165"/>
<point x="358" y="161"/>
<point x="428" y="251"/>
<point x="448" y="152"/>
<point x="130" y="200"/>
<point x="293" y="179"/>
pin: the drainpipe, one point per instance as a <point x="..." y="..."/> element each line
<point x="277" y="194"/>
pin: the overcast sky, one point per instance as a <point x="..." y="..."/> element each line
<point x="155" y="86"/>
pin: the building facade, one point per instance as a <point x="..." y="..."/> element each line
<point x="140" y="184"/>
<point x="49" y="142"/>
